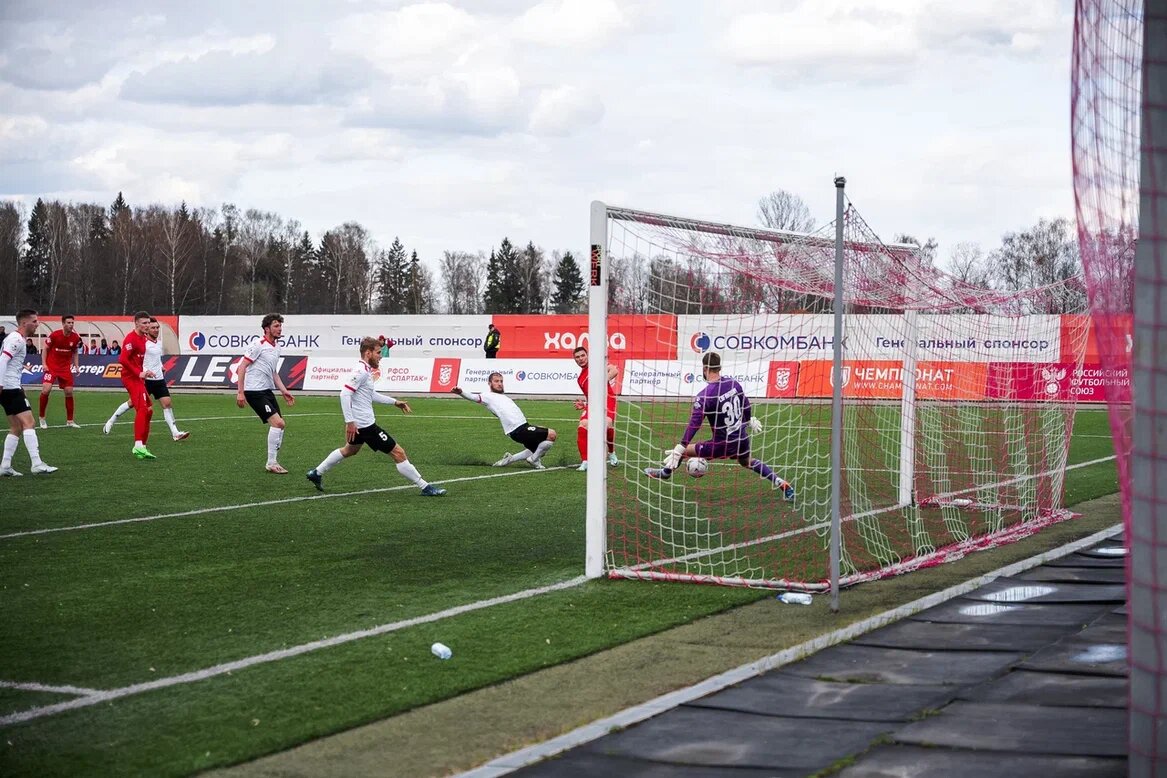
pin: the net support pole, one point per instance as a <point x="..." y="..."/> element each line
<point x="597" y="505"/>
<point x="837" y="401"/>
<point x="908" y="408"/>
<point x="1147" y="525"/>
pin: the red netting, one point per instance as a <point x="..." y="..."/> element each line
<point x="1119" y="114"/>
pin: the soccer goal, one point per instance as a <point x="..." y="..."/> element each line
<point x="929" y="418"/>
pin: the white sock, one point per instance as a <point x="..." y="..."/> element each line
<point x="139" y="444"/>
<point x="10" y="444"/>
<point x="410" y="473"/>
<point x="519" y="457"/>
<point x="542" y="449"/>
<point x="33" y="446"/>
<point x="169" y="414"/>
<point x="275" y="437"/>
<point x="330" y="461"/>
<point x="121" y="409"/>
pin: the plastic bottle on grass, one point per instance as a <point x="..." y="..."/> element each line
<point x="795" y="598"/>
<point x="441" y="651"/>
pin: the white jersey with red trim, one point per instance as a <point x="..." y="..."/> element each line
<point x="360" y="395"/>
<point x="14" y="350"/>
<point x="262" y="358"/>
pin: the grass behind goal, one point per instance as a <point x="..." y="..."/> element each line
<point x="258" y="563"/>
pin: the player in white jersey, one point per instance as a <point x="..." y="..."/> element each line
<point x="12" y="399"/>
<point x="155" y="387"/>
<point x="360" y="423"/>
<point x="536" y="441"/>
<point x="259" y="377"/>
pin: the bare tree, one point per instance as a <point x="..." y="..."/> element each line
<point x="255" y="235"/>
<point x="12" y="221"/>
<point x="462" y="274"/>
<point x="970" y="265"/>
<point x="782" y="210"/>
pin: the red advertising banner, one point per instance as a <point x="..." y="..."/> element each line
<point x="1103" y="336"/>
<point x="1058" y="382"/>
<point x="782" y="380"/>
<point x="630" y="336"/>
<point x="884" y="379"/>
<point x="445" y="374"/>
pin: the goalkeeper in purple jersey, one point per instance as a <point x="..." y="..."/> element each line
<point x="725" y="405"/>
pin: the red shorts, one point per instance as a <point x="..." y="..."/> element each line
<point x="139" y="397"/>
<point x="64" y="379"/>
<point x="611" y="415"/>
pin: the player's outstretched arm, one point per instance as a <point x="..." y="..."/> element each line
<point x="473" y="397"/>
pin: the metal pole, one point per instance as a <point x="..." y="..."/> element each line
<point x="837" y="402"/>
<point x="596" y="527"/>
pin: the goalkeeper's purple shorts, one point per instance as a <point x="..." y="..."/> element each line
<point x="724" y="449"/>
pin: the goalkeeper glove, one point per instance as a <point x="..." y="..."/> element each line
<point x="673" y="458"/>
<point x="755" y="425"/>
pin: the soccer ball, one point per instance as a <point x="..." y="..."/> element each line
<point x="697" y="467"/>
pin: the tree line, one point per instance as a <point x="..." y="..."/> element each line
<point x="84" y="257"/>
<point x="89" y="258"/>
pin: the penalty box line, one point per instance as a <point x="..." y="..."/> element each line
<point x="99" y="696"/>
<point x="266" y="503"/>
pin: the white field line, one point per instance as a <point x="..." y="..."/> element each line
<point x="40" y="687"/>
<point x="515" y="760"/>
<point x="127" y="420"/>
<point x="97" y="697"/>
<point x="826" y="524"/>
<point x="265" y="503"/>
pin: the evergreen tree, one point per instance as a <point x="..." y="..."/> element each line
<point x="569" y="285"/>
<point x="493" y="296"/>
<point x="392" y="279"/>
<point x="531" y="274"/>
<point x="34" y="265"/>
<point x="511" y="280"/>
<point x="421" y="291"/>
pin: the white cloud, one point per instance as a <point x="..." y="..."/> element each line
<point x="564" y="110"/>
<point x="571" y="23"/>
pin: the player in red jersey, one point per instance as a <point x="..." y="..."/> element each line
<point x="60" y="360"/>
<point x="580" y="355"/>
<point x="134" y="379"/>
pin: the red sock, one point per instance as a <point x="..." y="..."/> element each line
<point x="68" y="409"/>
<point x="611" y="439"/>
<point x="581" y="441"/>
<point x="44" y="404"/>
<point x="142" y="423"/>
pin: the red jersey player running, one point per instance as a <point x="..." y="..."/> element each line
<point x="134" y="380"/>
<point x="60" y="361"/>
<point x="580" y="355"/>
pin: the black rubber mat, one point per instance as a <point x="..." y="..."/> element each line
<point x="1023" y="729"/>
<point x="932" y="636"/>
<point x="964" y="611"/>
<point x="868" y="664"/>
<point x="1061" y="689"/>
<point x="781" y="694"/>
<point x="915" y="762"/>
<point x="586" y="764"/>
<point x="709" y="737"/>
<point x="1099" y="575"/>
<point x="1014" y="591"/>
<point x="1081" y="655"/>
<point x="1087" y="560"/>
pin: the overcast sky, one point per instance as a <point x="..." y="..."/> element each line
<point x="452" y="124"/>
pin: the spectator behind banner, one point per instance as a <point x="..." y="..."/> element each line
<point x="92" y="348"/>
<point x="493" y="341"/>
<point x="104" y="348"/>
<point x="385" y="344"/>
<point x="30" y="346"/>
<point x="115" y="349"/>
<point x="3" y="333"/>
